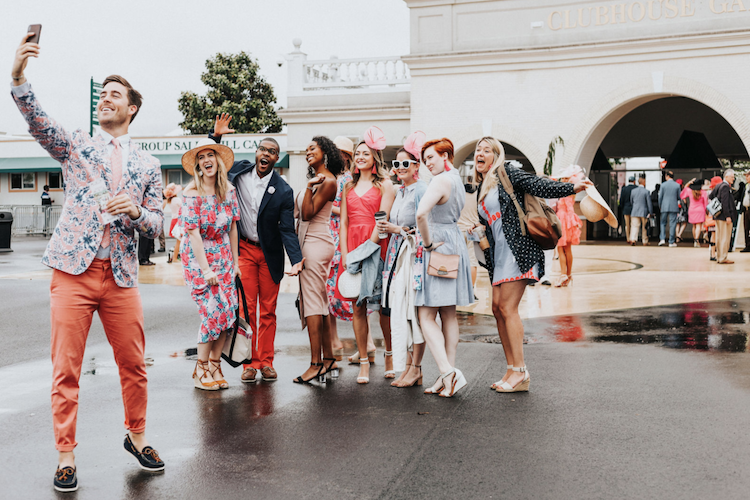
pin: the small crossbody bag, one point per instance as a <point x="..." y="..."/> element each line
<point x="443" y="266"/>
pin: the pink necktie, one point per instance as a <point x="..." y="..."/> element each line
<point x="115" y="162"/>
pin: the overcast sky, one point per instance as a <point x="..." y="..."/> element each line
<point x="161" y="47"/>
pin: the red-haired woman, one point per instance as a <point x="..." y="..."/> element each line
<point x="368" y="192"/>
<point x="437" y="217"/>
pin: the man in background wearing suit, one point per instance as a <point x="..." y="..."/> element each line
<point x="669" y="205"/>
<point x="626" y="206"/>
<point x="725" y="218"/>
<point x="266" y="229"/>
<point x="93" y="260"/>
<point x="640" y="198"/>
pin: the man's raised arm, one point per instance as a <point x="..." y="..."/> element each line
<point x="44" y="129"/>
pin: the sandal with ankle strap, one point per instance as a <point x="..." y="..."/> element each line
<point x="522" y="386"/>
<point x="320" y="375"/>
<point x="330" y="369"/>
<point x="434" y="389"/>
<point x="494" y="386"/>
<point x="361" y="379"/>
<point x="389" y="373"/>
<point x="198" y="379"/>
<point x="223" y="384"/>
<point x="417" y="381"/>
<point x="354" y="358"/>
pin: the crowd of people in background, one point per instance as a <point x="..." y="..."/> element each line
<point x="673" y="204"/>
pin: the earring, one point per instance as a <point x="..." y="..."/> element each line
<point x="325" y="160"/>
<point x="356" y="169"/>
<point x="374" y="169"/>
<point x="200" y="173"/>
<point x="447" y="168"/>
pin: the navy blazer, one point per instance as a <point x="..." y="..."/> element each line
<point x="625" y="204"/>
<point x="275" y="219"/>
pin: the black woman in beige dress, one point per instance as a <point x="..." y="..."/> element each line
<point x="313" y="207"/>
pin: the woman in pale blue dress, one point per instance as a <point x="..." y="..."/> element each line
<point x="437" y="217"/>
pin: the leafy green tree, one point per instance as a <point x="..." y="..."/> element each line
<point x="235" y="86"/>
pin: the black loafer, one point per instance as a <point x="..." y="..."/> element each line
<point x="148" y="459"/>
<point x="65" y="479"/>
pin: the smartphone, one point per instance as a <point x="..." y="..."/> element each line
<point x="37" y="30"/>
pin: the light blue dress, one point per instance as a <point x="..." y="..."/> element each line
<point x="436" y="291"/>
<point x="505" y="266"/>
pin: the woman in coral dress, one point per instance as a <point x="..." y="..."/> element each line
<point x="368" y="192"/>
<point x="571" y="227"/>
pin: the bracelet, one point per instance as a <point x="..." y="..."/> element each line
<point x="310" y="188"/>
<point x="16" y="79"/>
<point x="427" y="247"/>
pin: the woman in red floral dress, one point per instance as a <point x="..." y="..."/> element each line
<point x="209" y="216"/>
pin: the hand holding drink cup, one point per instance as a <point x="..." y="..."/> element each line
<point x="479" y="231"/>
<point x="382" y="231"/>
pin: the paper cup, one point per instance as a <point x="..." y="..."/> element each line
<point x="378" y="217"/>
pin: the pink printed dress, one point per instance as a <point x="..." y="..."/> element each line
<point x="217" y="304"/>
<point x="339" y="308"/>
<point x="571" y="223"/>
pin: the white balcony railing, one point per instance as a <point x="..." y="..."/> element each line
<point x="355" y="73"/>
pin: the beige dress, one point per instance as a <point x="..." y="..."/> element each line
<point x="317" y="247"/>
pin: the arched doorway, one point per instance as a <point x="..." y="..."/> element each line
<point x="643" y="134"/>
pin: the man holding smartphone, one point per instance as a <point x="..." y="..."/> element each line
<point x="94" y="260"/>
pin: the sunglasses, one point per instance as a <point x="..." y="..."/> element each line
<point x="402" y="164"/>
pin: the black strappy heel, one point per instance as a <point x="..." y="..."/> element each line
<point x="320" y="375"/>
<point x="330" y="369"/>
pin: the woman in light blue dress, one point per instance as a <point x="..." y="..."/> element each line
<point x="437" y="217"/>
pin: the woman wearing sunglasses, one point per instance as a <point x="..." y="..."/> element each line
<point x="403" y="221"/>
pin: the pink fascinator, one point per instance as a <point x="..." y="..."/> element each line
<point x="414" y="143"/>
<point x="374" y="138"/>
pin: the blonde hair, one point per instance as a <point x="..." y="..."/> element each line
<point x="379" y="175"/>
<point x="222" y="183"/>
<point x="491" y="180"/>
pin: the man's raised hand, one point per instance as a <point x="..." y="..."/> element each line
<point x="24" y="51"/>
<point x="221" y="126"/>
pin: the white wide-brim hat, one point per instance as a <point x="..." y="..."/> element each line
<point x="225" y="153"/>
<point x="595" y="208"/>
<point x="344" y="144"/>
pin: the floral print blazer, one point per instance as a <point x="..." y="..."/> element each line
<point x="83" y="159"/>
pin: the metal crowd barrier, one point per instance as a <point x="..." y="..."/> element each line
<point x="34" y="219"/>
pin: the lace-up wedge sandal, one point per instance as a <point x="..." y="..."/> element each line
<point x="216" y="373"/>
<point x="362" y="379"/>
<point x="522" y="386"/>
<point x="496" y="384"/>
<point x="457" y="383"/>
<point x="200" y="376"/>
<point x="437" y="387"/>
<point x="389" y="373"/>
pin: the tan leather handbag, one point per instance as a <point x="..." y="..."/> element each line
<point x="539" y="220"/>
<point x="443" y="266"/>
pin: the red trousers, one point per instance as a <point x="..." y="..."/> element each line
<point x="73" y="300"/>
<point x="259" y="289"/>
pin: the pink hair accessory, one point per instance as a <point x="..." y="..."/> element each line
<point x="374" y="138"/>
<point x="414" y="143"/>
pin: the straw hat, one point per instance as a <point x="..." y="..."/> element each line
<point x="595" y="208"/>
<point x="225" y="153"/>
<point x="344" y="144"/>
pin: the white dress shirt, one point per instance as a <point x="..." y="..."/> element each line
<point x="252" y="189"/>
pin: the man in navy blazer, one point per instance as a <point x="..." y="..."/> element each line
<point x="266" y="228"/>
<point x="626" y="206"/>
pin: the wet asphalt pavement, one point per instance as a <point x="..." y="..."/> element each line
<point x="648" y="403"/>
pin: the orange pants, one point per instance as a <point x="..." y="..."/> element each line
<point x="259" y="288"/>
<point x="73" y="300"/>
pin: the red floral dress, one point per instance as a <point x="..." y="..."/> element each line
<point x="571" y="223"/>
<point x="217" y="305"/>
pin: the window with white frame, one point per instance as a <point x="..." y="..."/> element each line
<point x="23" y="181"/>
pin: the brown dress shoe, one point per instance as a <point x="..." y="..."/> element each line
<point x="268" y="374"/>
<point x="727" y="262"/>
<point x="248" y="376"/>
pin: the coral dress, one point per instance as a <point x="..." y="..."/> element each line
<point x="217" y="304"/>
<point x="571" y="223"/>
<point x="361" y="214"/>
